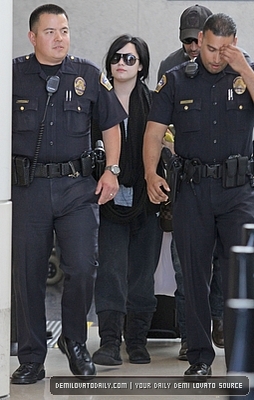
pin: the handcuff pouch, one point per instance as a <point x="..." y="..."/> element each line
<point x="20" y="171"/>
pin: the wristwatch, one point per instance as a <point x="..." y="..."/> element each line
<point x="114" y="169"/>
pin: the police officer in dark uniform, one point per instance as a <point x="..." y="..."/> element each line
<point x="210" y="102"/>
<point x="191" y="23"/>
<point x="54" y="189"/>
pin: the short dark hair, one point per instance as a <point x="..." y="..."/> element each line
<point x="45" y="9"/>
<point x="141" y="48"/>
<point x="221" y="25"/>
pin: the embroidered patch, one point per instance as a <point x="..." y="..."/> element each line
<point x="162" y="82"/>
<point x="105" y="82"/>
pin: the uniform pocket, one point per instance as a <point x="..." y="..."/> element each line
<point x="25" y="115"/>
<point x="238" y="114"/>
<point x="77" y="116"/>
<point x="188" y="115"/>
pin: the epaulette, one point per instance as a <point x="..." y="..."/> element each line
<point x="82" y="61"/>
<point x="75" y="59"/>
<point x="23" y="59"/>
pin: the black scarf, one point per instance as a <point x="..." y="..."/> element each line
<point x="131" y="159"/>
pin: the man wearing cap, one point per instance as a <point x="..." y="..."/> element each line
<point x="191" y="23"/>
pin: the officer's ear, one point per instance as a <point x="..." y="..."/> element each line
<point x="200" y="38"/>
<point x="32" y="37"/>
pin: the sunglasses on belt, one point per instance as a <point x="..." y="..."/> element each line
<point x="128" y="58"/>
<point x="189" y="41"/>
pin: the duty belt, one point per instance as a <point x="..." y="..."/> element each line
<point x="213" y="170"/>
<point x="56" y="170"/>
<point x="235" y="171"/>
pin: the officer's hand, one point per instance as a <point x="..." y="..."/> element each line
<point x="107" y="187"/>
<point x="233" y="56"/>
<point x="157" y="188"/>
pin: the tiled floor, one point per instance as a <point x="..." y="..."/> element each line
<point x="164" y="363"/>
<point x="163" y="354"/>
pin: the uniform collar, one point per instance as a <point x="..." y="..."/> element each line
<point x="35" y="68"/>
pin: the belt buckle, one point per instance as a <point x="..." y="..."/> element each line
<point x="213" y="170"/>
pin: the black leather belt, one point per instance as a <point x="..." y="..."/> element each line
<point x="213" y="170"/>
<point x="56" y="170"/>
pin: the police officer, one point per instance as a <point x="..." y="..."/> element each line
<point x="191" y="23"/>
<point x="211" y="106"/>
<point x="51" y="125"/>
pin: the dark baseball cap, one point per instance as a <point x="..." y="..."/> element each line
<point x="192" y="21"/>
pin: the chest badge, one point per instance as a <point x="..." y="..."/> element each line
<point x="239" y="85"/>
<point x="79" y="86"/>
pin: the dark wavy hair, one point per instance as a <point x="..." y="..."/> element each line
<point x="141" y="48"/>
<point x="45" y="9"/>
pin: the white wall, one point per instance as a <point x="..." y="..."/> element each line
<point x="95" y="23"/>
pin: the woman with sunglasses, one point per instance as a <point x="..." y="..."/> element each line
<point x="129" y="235"/>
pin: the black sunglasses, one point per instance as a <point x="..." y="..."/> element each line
<point x="128" y="58"/>
<point x="189" y="41"/>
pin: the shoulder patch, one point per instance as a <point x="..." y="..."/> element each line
<point x="162" y="82"/>
<point x="105" y="82"/>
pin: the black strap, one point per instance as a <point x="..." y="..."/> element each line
<point x="56" y="170"/>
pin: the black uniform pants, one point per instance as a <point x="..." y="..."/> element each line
<point x="69" y="207"/>
<point x="214" y="213"/>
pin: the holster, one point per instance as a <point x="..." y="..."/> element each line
<point x="171" y="166"/>
<point x="234" y="171"/>
<point x="93" y="162"/>
<point x="171" y="170"/>
<point x="192" y="170"/>
<point x="20" y="171"/>
<point x="99" y="159"/>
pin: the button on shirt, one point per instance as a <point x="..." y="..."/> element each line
<point x="211" y="120"/>
<point x="66" y="132"/>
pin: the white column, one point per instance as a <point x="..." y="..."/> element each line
<point x="5" y="193"/>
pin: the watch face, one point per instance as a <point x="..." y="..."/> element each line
<point x="115" y="169"/>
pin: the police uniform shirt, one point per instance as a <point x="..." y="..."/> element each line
<point x="212" y="113"/>
<point x="83" y="93"/>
